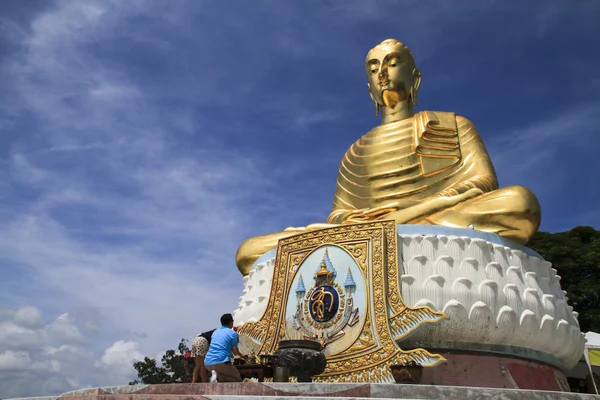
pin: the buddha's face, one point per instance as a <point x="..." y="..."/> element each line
<point x="390" y="68"/>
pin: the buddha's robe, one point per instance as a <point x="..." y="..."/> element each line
<point x="431" y="168"/>
<point x="421" y="159"/>
<point x="431" y="155"/>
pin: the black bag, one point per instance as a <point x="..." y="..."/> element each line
<point x="207" y="335"/>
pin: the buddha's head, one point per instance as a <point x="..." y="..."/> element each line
<point x="392" y="74"/>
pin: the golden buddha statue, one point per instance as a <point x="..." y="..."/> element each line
<point x="425" y="168"/>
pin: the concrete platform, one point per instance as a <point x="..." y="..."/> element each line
<point x="312" y="391"/>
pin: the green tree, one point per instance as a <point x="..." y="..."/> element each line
<point x="575" y="254"/>
<point x="172" y="369"/>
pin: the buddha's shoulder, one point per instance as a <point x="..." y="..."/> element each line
<point x="443" y="118"/>
<point x="422" y="121"/>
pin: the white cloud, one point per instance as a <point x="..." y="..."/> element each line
<point x="545" y="149"/>
<point x="306" y="120"/>
<point x="15" y="336"/>
<point x="155" y="235"/>
<point x="63" y="347"/>
<point x="24" y="172"/>
<point x="14" y="361"/>
<point x="63" y="330"/>
<point x="47" y="357"/>
<point x="119" y="217"/>
<point x="121" y="355"/>
<point x="29" y="317"/>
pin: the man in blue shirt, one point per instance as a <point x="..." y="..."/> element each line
<point x="223" y="343"/>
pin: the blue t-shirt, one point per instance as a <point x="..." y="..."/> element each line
<point x="221" y="346"/>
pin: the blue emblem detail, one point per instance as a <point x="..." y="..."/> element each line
<point x="349" y="283"/>
<point x="324" y="303"/>
<point x="300" y="288"/>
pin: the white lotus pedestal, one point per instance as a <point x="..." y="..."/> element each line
<point x="479" y="310"/>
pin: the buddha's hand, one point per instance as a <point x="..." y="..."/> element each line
<point x="339" y="217"/>
<point x="361" y="215"/>
<point x="433" y="205"/>
<point x="426" y="207"/>
<point x="450" y="201"/>
<point x="369" y="214"/>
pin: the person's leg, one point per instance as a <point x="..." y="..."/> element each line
<point x="203" y="371"/>
<point x="199" y="349"/>
<point x="213" y="372"/>
<point x="226" y="372"/>
<point x="198" y="365"/>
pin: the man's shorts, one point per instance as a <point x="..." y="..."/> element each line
<point x="199" y="346"/>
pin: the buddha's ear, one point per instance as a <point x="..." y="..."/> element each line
<point x="414" y="90"/>
<point x="373" y="100"/>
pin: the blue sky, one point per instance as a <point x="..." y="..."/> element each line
<point x="142" y="141"/>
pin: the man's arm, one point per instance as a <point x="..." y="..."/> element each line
<point x="236" y="351"/>
<point x="234" y="347"/>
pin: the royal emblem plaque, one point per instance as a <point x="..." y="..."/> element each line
<point x="329" y="311"/>
<point x="340" y="286"/>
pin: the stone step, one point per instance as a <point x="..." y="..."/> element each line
<point x="214" y="397"/>
<point x="455" y="395"/>
<point x="309" y="391"/>
<point x="226" y="397"/>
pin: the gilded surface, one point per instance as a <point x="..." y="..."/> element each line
<point x="373" y="245"/>
<point x="424" y="168"/>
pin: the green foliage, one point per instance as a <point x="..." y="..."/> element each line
<point x="576" y="256"/>
<point x="172" y="369"/>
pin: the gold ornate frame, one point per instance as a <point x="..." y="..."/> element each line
<point x="373" y="245"/>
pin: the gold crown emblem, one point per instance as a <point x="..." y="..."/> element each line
<point x="323" y="275"/>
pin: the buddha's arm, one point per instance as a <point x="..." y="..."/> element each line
<point x="477" y="170"/>
<point x="342" y="206"/>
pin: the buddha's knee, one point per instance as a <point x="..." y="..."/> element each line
<point x="523" y="214"/>
<point x="253" y="248"/>
<point x="249" y="251"/>
<point x="522" y="201"/>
